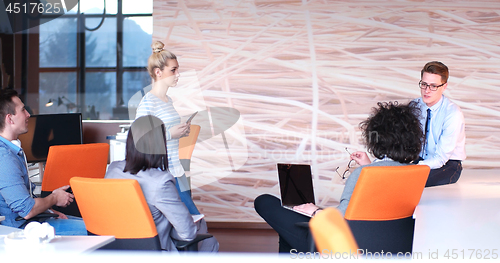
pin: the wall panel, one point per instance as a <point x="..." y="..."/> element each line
<point x="303" y="74"/>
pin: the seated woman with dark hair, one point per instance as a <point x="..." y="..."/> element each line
<point x="146" y="162"/>
<point x="392" y="134"/>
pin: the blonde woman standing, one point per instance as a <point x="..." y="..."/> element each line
<point x="164" y="69"/>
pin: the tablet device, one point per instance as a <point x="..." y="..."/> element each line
<point x="192" y="116"/>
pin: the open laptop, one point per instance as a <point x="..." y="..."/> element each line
<point x="296" y="185"/>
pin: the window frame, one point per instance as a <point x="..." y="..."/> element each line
<point x="80" y="68"/>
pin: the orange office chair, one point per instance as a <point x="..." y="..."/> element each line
<point x="66" y="161"/>
<point x="117" y="207"/>
<point x="380" y="212"/>
<point x="186" y="148"/>
<point x="331" y="232"/>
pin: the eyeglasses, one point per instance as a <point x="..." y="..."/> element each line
<point x="432" y="87"/>
<point x="347" y="171"/>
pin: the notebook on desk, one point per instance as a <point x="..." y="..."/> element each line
<point x="296" y="185"/>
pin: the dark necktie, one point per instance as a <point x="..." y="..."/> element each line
<point x="427" y="123"/>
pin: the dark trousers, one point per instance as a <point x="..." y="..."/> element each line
<point x="447" y="174"/>
<point x="283" y="221"/>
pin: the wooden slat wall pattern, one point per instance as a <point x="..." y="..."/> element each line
<point x="301" y="75"/>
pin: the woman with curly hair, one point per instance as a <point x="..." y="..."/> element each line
<point x="392" y="135"/>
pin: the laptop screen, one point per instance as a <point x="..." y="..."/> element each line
<point x="296" y="186"/>
<point x="50" y="129"/>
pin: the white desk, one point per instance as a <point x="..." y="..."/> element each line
<point x="70" y="244"/>
<point x="5" y="230"/>
<point x="461" y="216"/>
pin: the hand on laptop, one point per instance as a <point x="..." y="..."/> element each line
<point x="308" y="208"/>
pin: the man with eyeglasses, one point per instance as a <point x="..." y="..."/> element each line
<point x="443" y="125"/>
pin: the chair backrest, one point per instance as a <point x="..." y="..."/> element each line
<point x="115" y="207"/>
<point x="66" y="161"/>
<point x="186" y="144"/>
<point x="387" y="192"/>
<point x="332" y="233"/>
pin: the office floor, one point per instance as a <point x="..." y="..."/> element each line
<point x="244" y="237"/>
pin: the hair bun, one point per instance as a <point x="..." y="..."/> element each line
<point x="157" y="46"/>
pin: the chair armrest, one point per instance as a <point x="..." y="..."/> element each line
<point x="193" y="244"/>
<point x="39" y="218"/>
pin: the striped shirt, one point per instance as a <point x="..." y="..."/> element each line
<point x="152" y="105"/>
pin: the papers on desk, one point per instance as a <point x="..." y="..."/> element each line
<point x="33" y="233"/>
<point x="197" y="218"/>
<point x="65" y="244"/>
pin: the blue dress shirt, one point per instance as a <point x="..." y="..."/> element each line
<point x="15" y="198"/>
<point x="446" y="137"/>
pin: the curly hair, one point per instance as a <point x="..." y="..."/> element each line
<point x="394" y="130"/>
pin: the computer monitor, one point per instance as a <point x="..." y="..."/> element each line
<point x="50" y="129"/>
